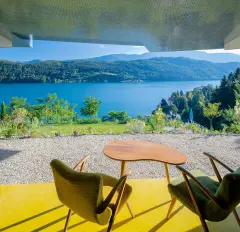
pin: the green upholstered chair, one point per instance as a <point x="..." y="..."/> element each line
<point x="211" y="200"/>
<point x="82" y="193"/>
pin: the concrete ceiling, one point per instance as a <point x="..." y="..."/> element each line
<point x="160" y="25"/>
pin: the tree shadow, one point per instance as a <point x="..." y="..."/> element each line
<point x="6" y="153"/>
<point x="121" y="223"/>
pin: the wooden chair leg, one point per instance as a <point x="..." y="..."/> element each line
<point x="189" y="187"/>
<point x="67" y="220"/>
<point x="171" y="206"/>
<point x="204" y="224"/>
<point x="236" y="216"/>
<point x="130" y="209"/>
<point x="110" y="225"/>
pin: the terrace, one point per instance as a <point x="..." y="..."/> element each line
<point x="29" y="201"/>
<point x="35" y="207"/>
<point x="28" y="198"/>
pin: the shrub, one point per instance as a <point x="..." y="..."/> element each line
<point x="158" y="120"/>
<point x="94" y="120"/>
<point x="57" y="134"/>
<point x="35" y="123"/>
<point x="175" y="123"/>
<point x="75" y="133"/>
<point x="195" y="128"/>
<point x="8" y="129"/>
<point x="18" y="115"/>
<point x="233" y="128"/>
<point x="136" y="126"/>
<point x="116" y="116"/>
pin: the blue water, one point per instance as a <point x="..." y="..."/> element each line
<point x="136" y="98"/>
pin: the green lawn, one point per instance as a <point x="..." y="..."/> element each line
<point x="68" y="129"/>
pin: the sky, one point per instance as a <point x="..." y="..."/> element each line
<point x="49" y="50"/>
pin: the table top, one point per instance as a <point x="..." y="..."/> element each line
<point x="131" y="150"/>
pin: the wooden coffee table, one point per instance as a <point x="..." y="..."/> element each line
<point x="131" y="150"/>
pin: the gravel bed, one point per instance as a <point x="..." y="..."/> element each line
<point x="27" y="160"/>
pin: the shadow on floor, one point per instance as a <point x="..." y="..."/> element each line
<point x="55" y="222"/>
<point x="161" y="223"/>
<point x="6" y="153"/>
<point x="75" y="225"/>
<point x="30" y="218"/>
<point x="216" y="225"/>
<point x="121" y="223"/>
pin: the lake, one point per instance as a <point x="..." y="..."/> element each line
<point x="136" y="98"/>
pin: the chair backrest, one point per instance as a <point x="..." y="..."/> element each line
<point x="79" y="191"/>
<point x="228" y="192"/>
<point x="228" y="196"/>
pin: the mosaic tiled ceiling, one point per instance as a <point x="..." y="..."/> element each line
<point x="160" y="25"/>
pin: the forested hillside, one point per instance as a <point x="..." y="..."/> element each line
<point x="156" y="69"/>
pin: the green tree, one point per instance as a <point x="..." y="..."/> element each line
<point x="3" y="111"/>
<point x="39" y="100"/>
<point x="211" y="111"/>
<point x="44" y="79"/>
<point x="17" y="102"/>
<point x="229" y="90"/>
<point x="237" y="112"/>
<point x="163" y="103"/>
<point x="158" y="120"/>
<point x="170" y="109"/>
<point x="91" y="106"/>
<point x="18" y="116"/>
<point x="182" y="103"/>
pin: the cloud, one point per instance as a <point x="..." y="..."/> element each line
<point x="102" y="46"/>
<point x="235" y="51"/>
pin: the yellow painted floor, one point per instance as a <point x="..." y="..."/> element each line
<point x="35" y="207"/>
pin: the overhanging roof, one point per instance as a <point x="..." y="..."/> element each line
<point x="160" y="25"/>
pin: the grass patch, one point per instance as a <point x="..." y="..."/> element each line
<point x="68" y="129"/>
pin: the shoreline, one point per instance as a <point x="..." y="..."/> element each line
<point x="122" y="82"/>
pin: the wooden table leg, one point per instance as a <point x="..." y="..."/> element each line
<point x="123" y="168"/>
<point x="166" y="172"/>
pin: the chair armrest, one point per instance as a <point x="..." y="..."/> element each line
<point x="81" y="163"/>
<point x="120" y="185"/>
<point x="201" y="186"/>
<point x="211" y="157"/>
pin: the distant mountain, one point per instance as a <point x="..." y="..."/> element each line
<point x="33" y="61"/>
<point x="197" y="55"/>
<point x="148" y="70"/>
<point x="117" y="57"/>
